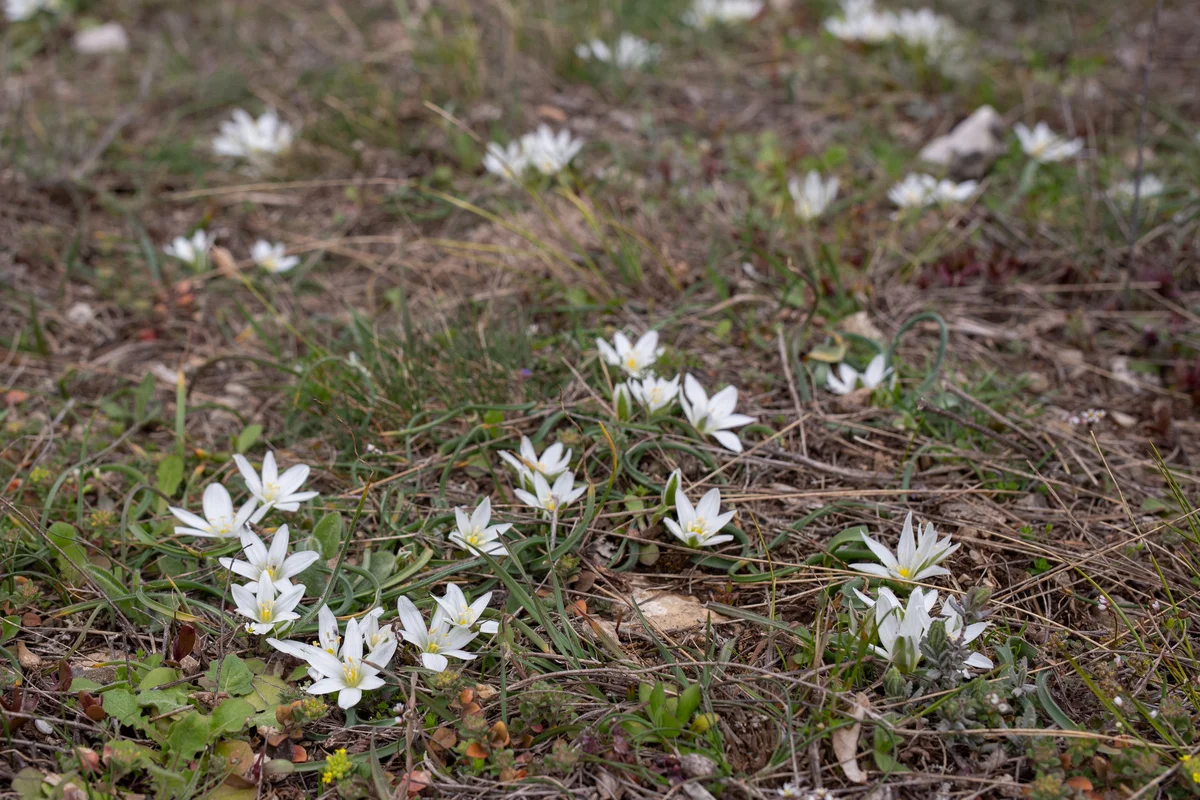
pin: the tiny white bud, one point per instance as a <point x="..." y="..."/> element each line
<point x="1118" y="702"/>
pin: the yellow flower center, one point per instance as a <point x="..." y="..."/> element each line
<point x="265" y="610"/>
<point x="271" y="570"/>
<point x="432" y="647"/>
<point x="551" y="504"/>
<point x="904" y="572"/>
<point x="656" y="395"/>
<point x="464" y="618"/>
<point x="631" y="362"/>
<point x="270" y="491"/>
<point x="698" y="526"/>
<point x="350" y="672"/>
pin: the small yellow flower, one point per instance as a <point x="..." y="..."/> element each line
<point x="337" y="766"/>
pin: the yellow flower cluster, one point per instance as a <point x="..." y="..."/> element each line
<point x="1191" y="767"/>
<point x="337" y="766"/>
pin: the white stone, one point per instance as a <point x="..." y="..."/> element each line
<point x="978" y="137"/>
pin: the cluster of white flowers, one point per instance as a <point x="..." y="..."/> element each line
<point x="900" y="628"/>
<point x="1090" y="417"/>
<point x="21" y="10"/>
<point x="846" y="378"/>
<point x="194" y="252"/>
<point x="543" y="149"/>
<point x="710" y="416"/>
<point x="256" y="141"/>
<point x="704" y="13"/>
<point x="920" y="190"/>
<point x="630" y="52"/>
<point x="1125" y="191"/>
<point x="861" y="21"/>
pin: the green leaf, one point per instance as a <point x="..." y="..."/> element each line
<point x="1049" y="706"/>
<point x="267" y="691"/>
<point x="28" y="784"/>
<point x="248" y="437"/>
<point x="142" y="396"/>
<point x="170" y="475"/>
<point x="230" y="716"/>
<point x="689" y="701"/>
<point x="8" y="627"/>
<point x="328" y="535"/>
<point x="188" y="735"/>
<point x="126" y="755"/>
<point x="829" y="353"/>
<point x="236" y="677"/>
<point x="658" y="703"/>
<point x="884" y="746"/>
<point x="382" y="565"/>
<point x="121" y="705"/>
<point x="62" y="534"/>
<point x="163" y="701"/>
<point x="157" y="677"/>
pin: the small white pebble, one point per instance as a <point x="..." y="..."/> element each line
<point x="43" y="726"/>
<point x="1118" y="702"/>
<point x="1155" y="605"/>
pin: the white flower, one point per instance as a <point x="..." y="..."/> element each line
<point x="862" y="22"/>
<point x="913" y="561"/>
<point x="475" y="534"/>
<point x="635" y="359"/>
<point x="219" y="520"/>
<point x="847" y="378"/>
<point x="631" y="52"/>
<point x="900" y="629"/>
<point x="507" y="162"/>
<point x="348" y="675"/>
<point x="255" y="140"/>
<point x="458" y="613"/>
<point x="552" y="463"/>
<point x="1124" y="191"/>
<point x="705" y="12"/>
<point x="550" y="152"/>
<point x="1043" y="145"/>
<point x="21" y="10"/>
<point x="622" y="401"/>
<point x="273" y="565"/>
<point x="272" y="489"/>
<point x="272" y="257"/>
<point x="192" y="251"/>
<point x="435" y="642"/>
<point x="924" y="28"/>
<point x="379" y="640"/>
<point x="957" y="632"/>
<point x="655" y="393"/>
<point x="814" y="196"/>
<point x="915" y="191"/>
<point x="329" y="635"/>
<point x="264" y="608"/>
<point x="948" y="191"/>
<point x="551" y="500"/>
<point x="1094" y="415"/>
<point x="699" y="526"/>
<point x="713" y="416"/>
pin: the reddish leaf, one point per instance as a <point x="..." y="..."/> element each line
<point x="185" y="641"/>
<point x="475" y="750"/>
<point x="64" y="676"/>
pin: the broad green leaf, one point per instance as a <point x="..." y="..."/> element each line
<point x="832" y="353"/>
<point x="62" y="534"/>
<point x="121" y="705"/>
<point x="126" y="755"/>
<point x="8" y="627"/>
<point x="230" y="716"/>
<point x="328" y="535"/>
<point x="266" y="692"/>
<point x="236" y="678"/>
<point x="383" y="564"/>
<point x="170" y="474"/>
<point x="28" y="784"/>
<point x="163" y="701"/>
<point x="157" y="677"/>
<point x="188" y="735"/>
<point x="84" y="684"/>
<point x="248" y="437"/>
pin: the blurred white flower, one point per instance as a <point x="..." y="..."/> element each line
<point x="475" y="534"/>
<point x="860" y="21"/>
<point x="847" y="378"/>
<point x="506" y="161"/>
<point x="635" y="359"/>
<point x="107" y="38"/>
<point x="622" y="401"/>
<point x="255" y="140"/>
<point x="705" y="12"/>
<point x="700" y="526"/>
<point x="264" y="607"/>
<point x="915" y="191"/>
<point x="219" y="520"/>
<point x="459" y="613"/>
<point x="1093" y="415"/>
<point x="1043" y="145"/>
<point x="948" y="191"/>
<point x="274" y="564"/>
<point x="965" y="634"/>
<point x="813" y="196"/>
<point x="713" y="416"/>
<point x="924" y="28"/>
<point x="631" y="52"/>
<point x="551" y="463"/>
<point x="655" y="393"/>
<point x="549" y="152"/>
<point x="380" y="640"/>
<point x="192" y="251"/>
<point x="914" y="560"/>
<point x="1124" y="191"/>
<point x="21" y="10"/>
<point x="551" y="499"/>
<point x="272" y="257"/>
<point x="272" y="489"/>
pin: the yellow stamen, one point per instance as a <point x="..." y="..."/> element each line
<point x="904" y="573"/>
